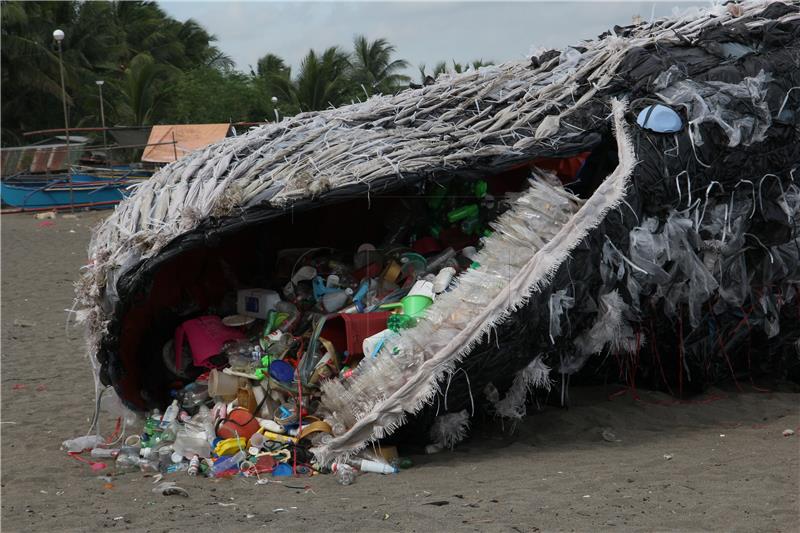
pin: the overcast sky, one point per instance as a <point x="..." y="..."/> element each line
<point x="423" y="32"/>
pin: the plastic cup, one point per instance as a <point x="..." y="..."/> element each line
<point x="222" y="385"/>
<point x="257" y="440"/>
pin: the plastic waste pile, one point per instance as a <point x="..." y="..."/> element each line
<point x="247" y="382"/>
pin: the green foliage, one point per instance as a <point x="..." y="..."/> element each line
<point x="161" y="70"/>
<point x="133" y="45"/>
<point x="142" y="90"/>
<point x="208" y="95"/>
<point x="374" y="69"/>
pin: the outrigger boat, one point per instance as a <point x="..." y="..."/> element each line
<point x="84" y="191"/>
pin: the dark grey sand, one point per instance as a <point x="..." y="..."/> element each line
<point x="730" y="469"/>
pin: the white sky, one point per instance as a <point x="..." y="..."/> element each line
<point x="423" y="32"/>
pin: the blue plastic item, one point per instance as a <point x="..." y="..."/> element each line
<point x="281" y="371"/>
<point x="227" y="463"/>
<point x="320" y="290"/>
<point x="282" y="470"/>
<point x="358" y="297"/>
<point x="660" y="119"/>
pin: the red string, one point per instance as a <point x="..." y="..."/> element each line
<point x="299" y="422"/>
<point x="114" y="435"/>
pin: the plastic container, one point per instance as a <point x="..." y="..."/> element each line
<point x="222" y="385"/>
<point x="271" y="425"/>
<point x="256" y="303"/>
<point x="153" y="423"/>
<point x="193" y="395"/>
<point x="194" y="465"/>
<point x="189" y="443"/>
<point x="78" y="444"/>
<point x="170" y="415"/>
<point x="365" y="465"/>
<point x="239" y="423"/>
<point x="347" y="331"/>
<point x="227" y="463"/>
<point x="443" y="279"/>
<point x="344" y="473"/>
<point x="372" y="345"/>
<point x="104" y="453"/>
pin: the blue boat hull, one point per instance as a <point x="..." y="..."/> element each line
<point x="96" y="194"/>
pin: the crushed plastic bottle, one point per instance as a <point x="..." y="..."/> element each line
<point x="227" y="463"/>
<point x="344" y="473"/>
<point x="78" y="444"/>
<point x="193" y="395"/>
<point x="104" y="453"/>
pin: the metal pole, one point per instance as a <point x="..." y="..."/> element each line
<point x="103" y="120"/>
<point x="66" y="124"/>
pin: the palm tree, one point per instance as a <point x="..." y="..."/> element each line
<point x="439" y="68"/>
<point x="141" y="90"/>
<point x="323" y="81"/>
<point x="373" y="67"/>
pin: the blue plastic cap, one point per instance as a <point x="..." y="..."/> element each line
<point x="660" y="119"/>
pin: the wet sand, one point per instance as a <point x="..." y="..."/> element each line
<point x="719" y="463"/>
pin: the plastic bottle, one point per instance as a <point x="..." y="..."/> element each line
<point x="153" y="422"/>
<point x="271" y="425"/>
<point x="365" y="465"/>
<point x="194" y="465"/>
<point x="344" y="473"/>
<point x="78" y="444"/>
<point x="170" y="414"/>
<point x="175" y="467"/>
<point x="402" y="463"/>
<point x="189" y="443"/>
<point x="226" y="463"/>
<point x="171" y="431"/>
<point x="104" y="453"/>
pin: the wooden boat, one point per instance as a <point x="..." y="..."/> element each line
<point x="89" y="191"/>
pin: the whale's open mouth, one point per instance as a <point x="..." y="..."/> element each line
<point x="539" y="224"/>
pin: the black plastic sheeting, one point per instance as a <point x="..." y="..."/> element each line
<point x="756" y="327"/>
